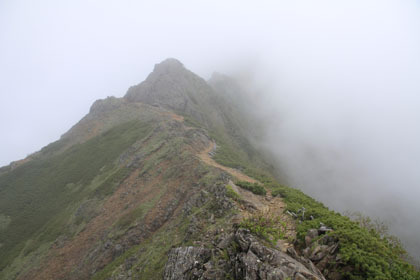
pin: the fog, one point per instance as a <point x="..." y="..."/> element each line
<point x="336" y="82"/>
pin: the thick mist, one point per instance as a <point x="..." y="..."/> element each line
<point x="335" y="83"/>
<point x="353" y="148"/>
<point x="339" y="101"/>
<point x="342" y="120"/>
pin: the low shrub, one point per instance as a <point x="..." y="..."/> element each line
<point x="372" y="255"/>
<point x="266" y="226"/>
<point x="232" y="194"/>
<point x="252" y="187"/>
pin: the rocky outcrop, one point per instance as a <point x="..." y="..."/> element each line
<point x="238" y="255"/>
<point x="322" y="249"/>
<point x="171" y="86"/>
<point x="186" y="263"/>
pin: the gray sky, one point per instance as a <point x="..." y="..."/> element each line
<point x="57" y="57"/>
<point x="339" y="80"/>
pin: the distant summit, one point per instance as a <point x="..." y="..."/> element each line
<point x="173" y="87"/>
<point x="168" y="65"/>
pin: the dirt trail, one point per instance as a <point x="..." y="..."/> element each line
<point x="251" y="203"/>
<point x="204" y="156"/>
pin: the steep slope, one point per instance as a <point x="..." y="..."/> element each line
<point x="104" y="189"/>
<point x="166" y="184"/>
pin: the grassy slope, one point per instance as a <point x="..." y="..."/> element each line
<point x="86" y="174"/>
<point x="36" y="194"/>
<point x="150" y="256"/>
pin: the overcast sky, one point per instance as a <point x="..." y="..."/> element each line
<point x="339" y="81"/>
<point x="57" y="57"/>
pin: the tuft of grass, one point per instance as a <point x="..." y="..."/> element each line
<point x="255" y="188"/>
<point x="232" y="194"/>
<point x="266" y="226"/>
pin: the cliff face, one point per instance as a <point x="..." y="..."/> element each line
<point x="161" y="184"/>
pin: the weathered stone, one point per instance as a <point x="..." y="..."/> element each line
<point x="312" y="233"/>
<point x="242" y="238"/>
<point x="224" y="243"/>
<point x="184" y="262"/>
<point x="251" y="260"/>
<point x="323" y="252"/>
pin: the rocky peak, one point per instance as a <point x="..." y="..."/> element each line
<point x="172" y="86"/>
<point x="169" y="65"/>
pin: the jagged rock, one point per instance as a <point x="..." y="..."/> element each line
<point x="323" y="252"/>
<point x="186" y="263"/>
<point x="269" y="263"/>
<point x="323" y="229"/>
<point x="225" y="242"/>
<point x="172" y="86"/>
<point x="247" y="258"/>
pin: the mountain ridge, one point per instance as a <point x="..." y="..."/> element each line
<point x="165" y="183"/>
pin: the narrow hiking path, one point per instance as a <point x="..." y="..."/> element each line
<point x="205" y="156"/>
<point x="252" y="204"/>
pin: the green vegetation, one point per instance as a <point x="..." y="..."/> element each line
<point x="266" y="226"/>
<point x="127" y="219"/>
<point x="150" y="256"/>
<point x="253" y="187"/>
<point x="232" y="194"/>
<point x="371" y="255"/>
<point x="188" y="121"/>
<point x="39" y="199"/>
<point x="227" y="154"/>
<point x="36" y="195"/>
<point x="236" y="152"/>
<point x="109" y="185"/>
